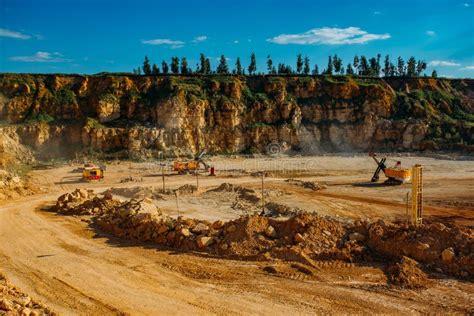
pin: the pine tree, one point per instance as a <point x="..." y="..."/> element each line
<point x="155" y="70"/>
<point x="349" y="70"/>
<point x="175" y="65"/>
<point x="393" y="70"/>
<point x="164" y="67"/>
<point x="299" y="63"/>
<point x="238" y="66"/>
<point x="400" y="66"/>
<point x="137" y="71"/>
<point x="146" y="66"/>
<point x="223" y="68"/>
<point x="202" y="60"/>
<point x="281" y="68"/>
<point x="420" y="67"/>
<point x="337" y="64"/>
<point x="356" y="64"/>
<point x="269" y="64"/>
<point x="364" y="68"/>
<point x="386" y="68"/>
<point x="378" y="67"/>
<point x="306" y="68"/>
<point x="284" y="69"/>
<point x="253" y="64"/>
<point x="373" y="67"/>
<point x="315" y="70"/>
<point x="411" y="67"/>
<point x="184" y="66"/>
<point x="207" y="66"/>
<point x="434" y="74"/>
<point x="329" y="69"/>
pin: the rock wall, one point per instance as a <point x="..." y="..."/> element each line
<point x="148" y="115"/>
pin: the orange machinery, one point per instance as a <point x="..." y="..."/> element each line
<point x="189" y="166"/>
<point x="92" y="172"/>
<point x="395" y="175"/>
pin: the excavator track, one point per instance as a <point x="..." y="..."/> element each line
<point x="392" y="181"/>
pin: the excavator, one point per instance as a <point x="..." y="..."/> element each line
<point x="189" y="166"/>
<point x="395" y="175"/>
<point x="92" y="172"/>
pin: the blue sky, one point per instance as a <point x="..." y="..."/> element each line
<point x="91" y="36"/>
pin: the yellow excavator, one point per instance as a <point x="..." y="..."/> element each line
<point x="92" y="172"/>
<point x="395" y="175"/>
<point x="189" y="166"/>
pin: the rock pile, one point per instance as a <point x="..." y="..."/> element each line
<point x="131" y="179"/>
<point x="304" y="237"/>
<point x="448" y="249"/>
<point x="186" y="189"/>
<point x="140" y="192"/>
<point x="246" y="200"/>
<point x="14" y="302"/>
<point x="243" y="193"/>
<point x="313" y="185"/>
<point x="276" y="209"/>
<point x="407" y="274"/>
<point x="84" y="202"/>
<point x="12" y="186"/>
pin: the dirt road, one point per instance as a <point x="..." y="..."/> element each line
<point x="63" y="263"/>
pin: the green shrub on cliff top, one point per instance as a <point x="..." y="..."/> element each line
<point x="93" y="123"/>
<point x="192" y="86"/>
<point x="39" y="118"/>
<point x="64" y="96"/>
<point x="259" y="125"/>
<point x="108" y="97"/>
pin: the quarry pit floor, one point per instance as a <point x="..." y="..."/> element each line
<point x="63" y="263"/>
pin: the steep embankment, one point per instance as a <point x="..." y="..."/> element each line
<point x="144" y="115"/>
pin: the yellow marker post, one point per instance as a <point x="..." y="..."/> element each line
<point x="417" y="195"/>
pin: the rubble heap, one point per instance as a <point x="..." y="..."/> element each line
<point x="407" y="274"/>
<point x="84" y="202"/>
<point x="448" y="249"/>
<point x="12" y="186"/>
<point x="313" y="185"/>
<point x="304" y="237"/>
<point x="14" y="302"/>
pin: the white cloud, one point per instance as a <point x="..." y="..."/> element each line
<point x="13" y="34"/>
<point x="236" y="42"/>
<point x="377" y="12"/>
<point x="467" y="5"/>
<point x="41" y="57"/>
<point x="199" y="39"/>
<point x="430" y="33"/>
<point x="218" y="58"/>
<point x="164" y="41"/>
<point x="443" y="63"/>
<point x="329" y="36"/>
<point x="467" y="68"/>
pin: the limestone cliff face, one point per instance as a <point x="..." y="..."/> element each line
<point x="146" y="115"/>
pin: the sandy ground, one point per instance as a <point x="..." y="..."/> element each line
<point x="64" y="263"/>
